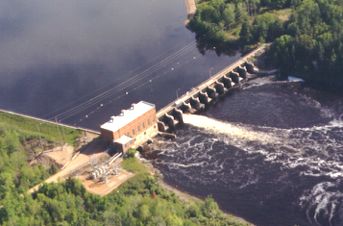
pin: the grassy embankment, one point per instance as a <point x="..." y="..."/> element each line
<point x="21" y="139"/>
<point x="30" y="128"/>
<point x="140" y="201"/>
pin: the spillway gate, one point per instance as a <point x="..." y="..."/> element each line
<point x="208" y="92"/>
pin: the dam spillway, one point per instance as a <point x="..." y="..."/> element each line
<point x="207" y="93"/>
<point x="274" y="147"/>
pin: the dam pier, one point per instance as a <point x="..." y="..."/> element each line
<point x="208" y="92"/>
<point x="137" y="125"/>
<point x="134" y="127"/>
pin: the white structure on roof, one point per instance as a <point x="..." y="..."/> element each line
<point x="127" y="116"/>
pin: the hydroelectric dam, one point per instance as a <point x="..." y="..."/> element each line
<point x="208" y="92"/>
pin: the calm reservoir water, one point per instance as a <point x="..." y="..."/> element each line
<point x="271" y="152"/>
<point x="81" y="61"/>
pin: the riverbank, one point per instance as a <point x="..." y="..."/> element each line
<point x="183" y="195"/>
<point x="144" y="199"/>
<point x="155" y="172"/>
<point x="319" y="68"/>
<point x="186" y="197"/>
<point x="142" y="167"/>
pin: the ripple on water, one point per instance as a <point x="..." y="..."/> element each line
<point x="271" y="175"/>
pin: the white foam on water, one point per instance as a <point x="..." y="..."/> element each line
<point x="186" y="165"/>
<point x="322" y="203"/>
<point x="288" y="147"/>
<point x="295" y="79"/>
<point x="308" y="148"/>
<point x="234" y="131"/>
<point x="314" y="151"/>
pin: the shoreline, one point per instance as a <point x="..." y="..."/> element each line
<point x="182" y="195"/>
<point x="187" y="197"/>
<point x="155" y="172"/>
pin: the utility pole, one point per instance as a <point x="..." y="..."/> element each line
<point x="58" y="129"/>
<point x="39" y="136"/>
<point x="177" y="93"/>
<point x="210" y="72"/>
<point x="63" y="134"/>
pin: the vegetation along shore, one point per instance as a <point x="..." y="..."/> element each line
<point x="140" y="201"/>
<point x="306" y="35"/>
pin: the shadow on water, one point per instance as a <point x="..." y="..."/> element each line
<point x="220" y="48"/>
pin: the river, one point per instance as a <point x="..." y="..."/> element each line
<point x="81" y="61"/>
<point x="271" y="153"/>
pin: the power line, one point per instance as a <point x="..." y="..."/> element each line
<point x="53" y="114"/>
<point x="111" y="87"/>
<point x="126" y="84"/>
<point x="123" y="95"/>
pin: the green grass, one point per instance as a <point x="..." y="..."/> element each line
<point x="282" y="14"/>
<point x="33" y="128"/>
<point x="134" y="165"/>
<point x="232" y="34"/>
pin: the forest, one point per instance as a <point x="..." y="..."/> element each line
<point x="306" y="35"/>
<point x="140" y="201"/>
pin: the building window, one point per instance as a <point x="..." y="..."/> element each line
<point x="139" y="128"/>
<point x="133" y="132"/>
<point x="149" y="122"/>
<point x="143" y="124"/>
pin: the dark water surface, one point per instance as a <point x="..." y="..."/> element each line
<point x="274" y="157"/>
<point x="81" y="61"/>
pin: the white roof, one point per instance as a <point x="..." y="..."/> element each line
<point x="124" y="139"/>
<point x="127" y="116"/>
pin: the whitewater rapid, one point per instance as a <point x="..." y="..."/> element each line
<point x="272" y="154"/>
<point x="238" y="156"/>
<point x="282" y="145"/>
<point x="235" y="132"/>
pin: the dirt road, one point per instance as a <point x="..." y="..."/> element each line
<point x="94" y="150"/>
<point x="190" y="7"/>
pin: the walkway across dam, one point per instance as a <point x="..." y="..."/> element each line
<point x="195" y="100"/>
<point x="208" y="91"/>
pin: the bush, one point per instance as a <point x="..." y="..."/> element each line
<point x="130" y="153"/>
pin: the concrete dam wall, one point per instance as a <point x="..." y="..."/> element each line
<point x="208" y="92"/>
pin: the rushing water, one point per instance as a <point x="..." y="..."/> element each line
<point x="80" y="61"/>
<point x="271" y="153"/>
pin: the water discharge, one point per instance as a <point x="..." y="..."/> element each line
<point x="235" y="132"/>
<point x="283" y="144"/>
<point x="271" y="173"/>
